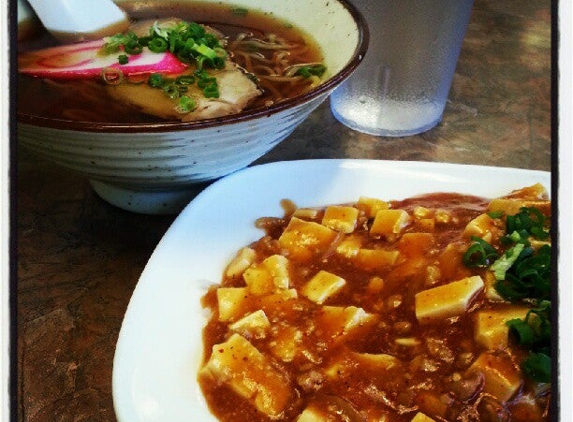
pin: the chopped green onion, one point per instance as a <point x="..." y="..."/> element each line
<point x="113" y="44"/>
<point x="112" y="76"/>
<point x="133" y="48"/>
<point x="188" y="41"/>
<point x="186" y="104"/>
<point x="537" y="366"/>
<point x="211" y="90"/>
<point x="523" y="273"/>
<point x="204" y="83"/>
<point x="479" y="254"/>
<point x="205" y="51"/>
<point x="311" y="70"/>
<point x="528" y="277"/>
<point x="144" y="41"/>
<point x="522" y="331"/>
<point x="157" y="31"/>
<point x="503" y="264"/>
<point x="529" y="222"/>
<point x="157" y="45"/>
<point x="123" y="59"/>
<point x="171" y="91"/>
<point x="156" y="80"/>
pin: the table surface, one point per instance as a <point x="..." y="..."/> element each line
<point x="79" y="258"/>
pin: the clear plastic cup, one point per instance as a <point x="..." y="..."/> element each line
<point x="402" y="85"/>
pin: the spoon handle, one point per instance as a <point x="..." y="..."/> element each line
<point x="80" y="20"/>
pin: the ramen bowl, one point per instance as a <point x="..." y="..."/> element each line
<point x="156" y="168"/>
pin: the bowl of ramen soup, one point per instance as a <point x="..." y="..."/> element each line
<point x="191" y="91"/>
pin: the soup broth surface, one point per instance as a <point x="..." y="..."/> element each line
<point x="87" y="100"/>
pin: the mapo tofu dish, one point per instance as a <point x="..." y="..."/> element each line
<point x="431" y="308"/>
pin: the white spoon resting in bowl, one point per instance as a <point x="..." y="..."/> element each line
<point x="80" y="20"/>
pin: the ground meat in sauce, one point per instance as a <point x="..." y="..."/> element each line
<point x="389" y="367"/>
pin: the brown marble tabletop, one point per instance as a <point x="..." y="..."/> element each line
<point x="79" y="258"/>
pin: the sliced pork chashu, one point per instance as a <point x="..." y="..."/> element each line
<point x="236" y="90"/>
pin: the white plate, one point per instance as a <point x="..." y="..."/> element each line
<point x="160" y="345"/>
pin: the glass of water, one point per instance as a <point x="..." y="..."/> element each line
<point x="401" y="87"/>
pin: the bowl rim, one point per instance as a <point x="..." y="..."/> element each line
<point x="243" y="116"/>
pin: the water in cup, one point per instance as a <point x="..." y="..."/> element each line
<point x="402" y="85"/>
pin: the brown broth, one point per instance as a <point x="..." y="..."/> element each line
<point x="88" y="100"/>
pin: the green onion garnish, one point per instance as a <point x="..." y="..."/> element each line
<point x="311" y="70"/>
<point x="534" y="333"/>
<point x="505" y="262"/>
<point x="188" y="41"/>
<point x="171" y="91"/>
<point x="537" y="366"/>
<point x="523" y="273"/>
<point x="157" y="45"/>
<point x="479" y="254"/>
<point x="156" y="80"/>
<point x="186" y="104"/>
<point x="112" y="76"/>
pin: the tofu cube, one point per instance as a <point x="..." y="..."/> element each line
<point x="423" y="212"/>
<point x="313" y="414"/>
<point x="420" y="417"/>
<point x="536" y="191"/>
<point x="482" y="226"/>
<point x="447" y="300"/>
<point x="233" y="302"/>
<point x="337" y="322"/>
<point x="244" y="258"/>
<point x="269" y="276"/>
<point x="322" y="286"/>
<point x="513" y="206"/>
<point x="306" y="213"/>
<point x="340" y="218"/>
<point x="442" y="216"/>
<point x="255" y="324"/>
<point x="416" y="244"/>
<point x="375" y="259"/>
<point x="250" y="374"/>
<point x="258" y="280"/>
<point x="349" y="246"/>
<point x="371" y="206"/>
<point x="502" y="379"/>
<point x="286" y="343"/>
<point x="491" y="331"/>
<point x="389" y="223"/>
<point x="305" y="240"/>
<point x="278" y="268"/>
